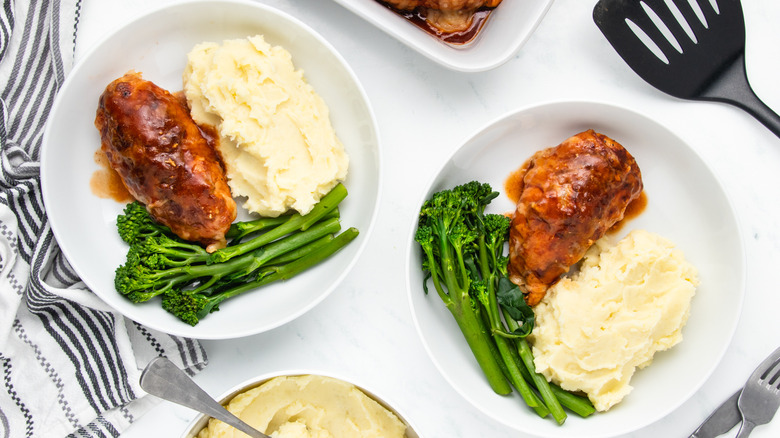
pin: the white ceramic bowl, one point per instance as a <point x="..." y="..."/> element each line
<point x="156" y="44"/>
<point x="508" y="28"/>
<point x="686" y="204"/>
<point x="200" y="421"/>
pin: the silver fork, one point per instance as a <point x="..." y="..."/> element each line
<point x="761" y="396"/>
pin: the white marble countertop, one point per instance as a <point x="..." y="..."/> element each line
<point x="425" y="111"/>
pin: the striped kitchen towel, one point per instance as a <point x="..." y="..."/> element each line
<point x="69" y="364"/>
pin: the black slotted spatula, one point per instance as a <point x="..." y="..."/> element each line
<point x="709" y="67"/>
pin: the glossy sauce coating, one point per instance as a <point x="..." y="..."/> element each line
<point x="568" y="197"/>
<point x="513" y="185"/>
<point x="165" y="160"/>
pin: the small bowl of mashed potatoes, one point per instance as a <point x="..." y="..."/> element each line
<point x="305" y="404"/>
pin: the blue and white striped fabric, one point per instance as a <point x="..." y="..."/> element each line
<point x="69" y="364"/>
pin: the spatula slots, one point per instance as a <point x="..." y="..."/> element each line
<point x="689" y="49"/>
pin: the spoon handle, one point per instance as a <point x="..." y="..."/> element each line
<point x="165" y="380"/>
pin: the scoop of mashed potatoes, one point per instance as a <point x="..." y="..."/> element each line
<point x="628" y="301"/>
<point x="280" y="150"/>
<point x="309" y="407"/>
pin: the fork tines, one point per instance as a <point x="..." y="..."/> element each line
<point x="771" y="376"/>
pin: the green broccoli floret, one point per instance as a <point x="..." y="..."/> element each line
<point x="189" y="307"/>
<point x="135" y="282"/>
<point x="169" y="252"/>
<point x="135" y="224"/>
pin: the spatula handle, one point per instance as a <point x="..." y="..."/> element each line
<point x="733" y="87"/>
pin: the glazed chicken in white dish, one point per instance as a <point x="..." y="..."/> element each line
<point x="569" y="196"/>
<point x="165" y="160"/>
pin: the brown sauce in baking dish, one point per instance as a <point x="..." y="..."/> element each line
<point x="455" y="38"/>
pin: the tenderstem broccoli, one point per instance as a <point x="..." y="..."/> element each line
<point x="293" y="222"/>
<point x="135" y="224"/>
<point x="260" y="251"/>
<point x="463" y="258"/>
<point x="193" y="305"/>
<point x="447" y="232"/>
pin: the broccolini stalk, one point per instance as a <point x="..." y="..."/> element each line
<point x="293" y="242"/>
<point x="576" y="403"/>
<point x="293" y="222"/>
<point x="489" y="260"/>
<point x="240" y="230"/>
<point x="541" y="384"/>
<point x="300" y="252"/>
<point x="505" y="346"/>
<point x="192" y="306"/>
<point x="446" y="233"/>
<point x="515" y="308"/>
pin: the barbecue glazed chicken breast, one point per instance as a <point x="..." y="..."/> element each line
<point x="445" y="15"/>
<point x="165" y="160"/>
<point x="569" y="196"/>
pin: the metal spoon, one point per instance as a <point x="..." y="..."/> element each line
<point x="165" y="380"/>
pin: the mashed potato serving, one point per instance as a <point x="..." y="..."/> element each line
<point x="597" y="327"/>
<point x="276" y="139"/>
<point x="309" y="407"/>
